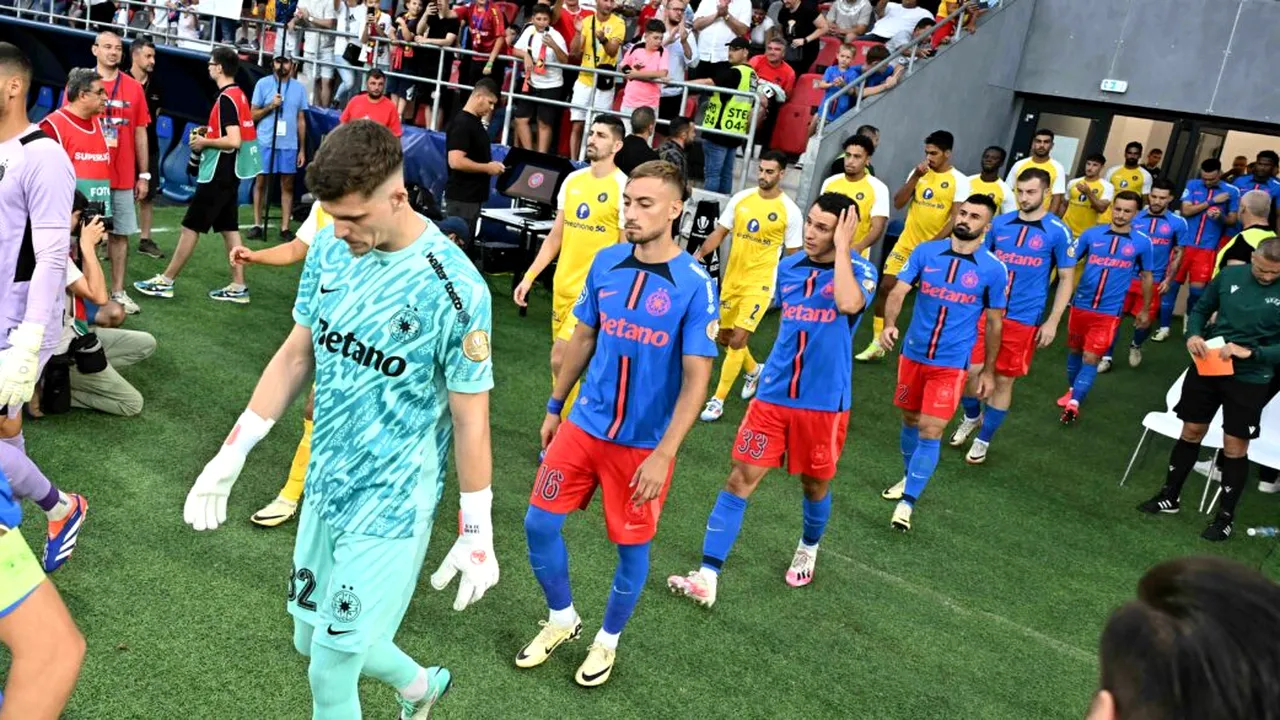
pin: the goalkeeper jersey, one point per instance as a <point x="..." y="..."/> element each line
<point x="393" y="334"/>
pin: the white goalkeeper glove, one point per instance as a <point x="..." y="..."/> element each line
<point x="472" y="554"/>
<point x="20" y="364"/>
<point x="206" y="506"/>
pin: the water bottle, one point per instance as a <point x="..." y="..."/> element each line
<point x="1266" y="531"/>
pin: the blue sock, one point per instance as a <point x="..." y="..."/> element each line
<point x="628" y="581"/>
<point x="1074" y="361"/>
<point x="816" y="514"/>
<point x="991" y="419"/>
<point x="923" y="462"/>
<point x="972" y="407"/>
<point x="548" y="556"/>
<point x="1193" y="297"/>
<point x="1140" y="335"/>
<point x="1167" y="301"/>
<point x="1084" y="382"/>
<point x="907" y="440"/>
<point x="723" y="525"/>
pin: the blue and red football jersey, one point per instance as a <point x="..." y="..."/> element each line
<point x="1111" y="260"/>
<point x="647" y="318"/>
<point x="1207" y="231"/>
<point x="1030" y="250"/>
<point x="1165" y="231"/>
<point x="810" y="366"/>
<point x="953" y="291"/>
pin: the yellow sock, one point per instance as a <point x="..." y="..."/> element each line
<point x="877" y="327"/>
<point x="729" y="372"/>
<point x="749" y="364"/>
<point x="292" y="489"/>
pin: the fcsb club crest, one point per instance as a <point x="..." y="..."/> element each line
<point x="658" y="303"/>
<point x="969" y="279"/>
<point x="1163" y="229"/>
<point x="828" y="290"/>
<point x="1036" y="243"/>
<point x="1127" y="250"/>
<point x="753" y="225"/>
<point x="583" y="211"/>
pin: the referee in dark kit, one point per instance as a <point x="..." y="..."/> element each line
<point x="1246" y="300"/>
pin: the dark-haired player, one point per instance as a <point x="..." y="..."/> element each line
<point x="802" y="409"/>
<point x="869" y="194"/>
<point x="959" y="281"/>
<point x="643" y="346"/>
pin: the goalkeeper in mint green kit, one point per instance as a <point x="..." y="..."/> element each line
<point x="396" y="321"/>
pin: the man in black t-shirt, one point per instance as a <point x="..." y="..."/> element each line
<point x="637" y="147"/>
<point x="436" y="29"/>
<point x="143" y="70"/>
<point x="802" y="26"/>
<point x="471" y="166"/>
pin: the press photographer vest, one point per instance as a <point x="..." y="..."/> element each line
<point x="90" y="157"/>
<point x="248" y="162"/>
<point x="733" y="115"/>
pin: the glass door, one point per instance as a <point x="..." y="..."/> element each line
<point x="1073" y="134"/>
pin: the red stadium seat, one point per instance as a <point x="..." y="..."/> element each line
<point x="861" y="47"/>
<point x="420" y="118"/>
<point x="791" y="133"/>
<point x="509" y="10"/>
<point x="617" y="100"/>
<point x="806" y="92"/>
<point x="826" y="53"/>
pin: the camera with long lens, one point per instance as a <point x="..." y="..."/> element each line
<point x="193" y="161"/>
<point x="93" y="211"/>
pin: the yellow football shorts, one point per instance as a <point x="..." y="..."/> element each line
<point x="743" y="311"/>
<point x="898" y="257"/>
<point x="563" y="321"/>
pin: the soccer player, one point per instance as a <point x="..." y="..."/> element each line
<point x="1129" y="176"/>
<point x="960" y="281"/>
<point x="592" y="197"/>
<point x="1167" y="232"/>
<point x="934" y="190"/>
<point x="1041" y="147"/>
<point x="1262" y="178"/>
<point x="646" y="339"/>
<point x="395" y="320"/>
<point x="988" y="181"/>
<point x="36" y="192"/>
<point x="35" y="627"/>
<point x="1088" y="197"/>
<point x="1031" y="243"/>
<point x="1113" y="255"/>
<point x="802" y="410"/>
<point x="766" y="225"/>
<point x="865" y="190"/>
<point x="1209" y="206"/>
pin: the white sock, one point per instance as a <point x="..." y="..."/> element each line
<point x="237" y="286"/>
<point x="60" y="510"/>
<point x="710" y="575"/>
<point x="567" y="617"/>
<point x="167" y="279"/>
<point x="811" y="549"/>
<point x="417" y="689"/>
<point x="609" y="640"/>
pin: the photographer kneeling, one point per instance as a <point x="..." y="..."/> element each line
<point x="83" y="371"/>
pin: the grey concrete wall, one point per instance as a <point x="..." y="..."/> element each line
<point x="1208" y="57"/>
<point x="968" y="89"/>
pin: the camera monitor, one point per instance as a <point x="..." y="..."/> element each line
<point x="533" y="176"/>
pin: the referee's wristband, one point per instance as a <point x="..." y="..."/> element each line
<point x="554" y="406"/>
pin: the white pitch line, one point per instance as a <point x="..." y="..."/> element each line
<point x="1068" y="650"/>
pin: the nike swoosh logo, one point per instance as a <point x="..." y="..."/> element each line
<point x="593" y="676"/>
<point x="324" y="290"/>
<point x="607" y="293"/>
<point x="634" y="526"/>
<point x="339" y="632"/>
<point x="788" y="288"/>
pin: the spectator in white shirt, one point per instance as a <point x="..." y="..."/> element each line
<point x="849" y="19"/>
<point x="681" y="46"/>
<point x="761" y="24"/>
<point x="717" y="22"/>
<point x="317" y="46"/>
<point x="892" y="18"/>
<point x="537" y="45"/>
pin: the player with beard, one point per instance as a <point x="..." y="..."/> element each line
<point x="959" y="281"/>
<point x="766" y="225"/>
<point x="646" y="340"/>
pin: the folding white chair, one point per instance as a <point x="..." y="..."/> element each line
<point x="1212" y="439"/>
<point x="1265" y="450"/>
<point x="1162" y="423"/>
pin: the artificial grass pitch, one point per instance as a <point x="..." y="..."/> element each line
<point x="990" y="608"/>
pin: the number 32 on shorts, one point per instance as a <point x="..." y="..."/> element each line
<point x="302" y="582"/>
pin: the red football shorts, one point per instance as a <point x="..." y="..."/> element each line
<point x="1196" y="265"/>
<point x="1133" y="302"/>
<point x="1091" y="332"/>
<point x="928" y="389"/>
<point x="811" y="440"/>
<point x="576" y="463"/>
<point x="1017" y="347"/>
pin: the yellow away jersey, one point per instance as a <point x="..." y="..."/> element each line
<point x="997" y="190"/>
<point x="1121" y="178"/>
<point x="316" y="221"/>
<point x="592" y="209"/>
<point x="593" y="50"/>
<point x="869" y="194"/>
<point x="761" y="228"/>
<point x="930" y="208"/>
<point x="1080" y="215"/>
<point x="1057" y="176"/>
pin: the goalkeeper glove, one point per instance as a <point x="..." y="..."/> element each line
<point x="206" y="506"/>
<point x="472" y="554"/>
<point x="20" y="364"/>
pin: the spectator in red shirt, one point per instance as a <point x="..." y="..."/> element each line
<point x="563" y="15"/>
<point x="488" y="35"/>
<point x="772" y="67"/>
<point x="374" y="104"/>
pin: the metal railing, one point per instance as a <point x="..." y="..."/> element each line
<point x="375" y="46"/>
